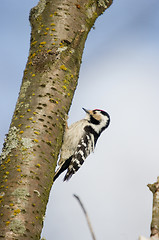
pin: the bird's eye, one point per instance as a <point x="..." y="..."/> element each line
<point x="94" y="111"/>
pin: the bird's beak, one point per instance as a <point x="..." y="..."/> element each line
<point x="87" y="111"/>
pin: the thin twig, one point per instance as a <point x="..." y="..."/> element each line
<point x="86" y="215"/>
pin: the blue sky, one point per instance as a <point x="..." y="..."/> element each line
<point x="119" y="74"/>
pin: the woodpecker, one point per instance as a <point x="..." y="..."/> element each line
<point x="80" y="140"/>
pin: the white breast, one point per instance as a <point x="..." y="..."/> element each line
<point x="71" y="139"/>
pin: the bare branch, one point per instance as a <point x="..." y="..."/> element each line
<point x="154" y="188"/>
<point x="86" y="215"/>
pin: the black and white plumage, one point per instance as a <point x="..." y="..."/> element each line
<point x="80" y="140"/>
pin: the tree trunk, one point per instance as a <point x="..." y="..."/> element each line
<point x="31" y="148"/>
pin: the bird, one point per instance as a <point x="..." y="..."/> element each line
<point x="80" y="140"/>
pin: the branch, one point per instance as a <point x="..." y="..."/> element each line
<point x="86" y="215"/>
<point x="154" y="188"/>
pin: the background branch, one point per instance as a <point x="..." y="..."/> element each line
<point x="154" y="188"/>
<point x="86" y="215"/>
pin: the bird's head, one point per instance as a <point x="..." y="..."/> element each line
<point x="98" y="118"/>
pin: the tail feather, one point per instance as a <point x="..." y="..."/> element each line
<point x="76" y="162"/>
<point x="68" y="175"/>
<point x="62" y="168"/>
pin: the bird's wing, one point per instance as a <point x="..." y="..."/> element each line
<point x="62" y="168"/>
<point x="84" y="148"/>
